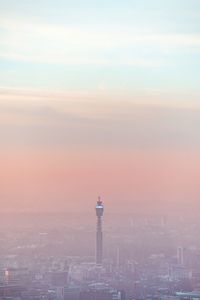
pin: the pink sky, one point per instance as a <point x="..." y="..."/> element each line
<point x="59" y="152"/>
<point x="70" y="179"/>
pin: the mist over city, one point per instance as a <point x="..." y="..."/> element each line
<point x="99" y="150"/>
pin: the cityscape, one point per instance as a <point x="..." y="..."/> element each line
<point x="100" y="150"/>
<point x="146" y="257"/>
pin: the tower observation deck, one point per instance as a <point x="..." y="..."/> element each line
<point x="99" y="233"/>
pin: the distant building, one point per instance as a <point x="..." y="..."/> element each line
<point x="181" y="256"/>
<point x="102" y="295"/>
<point x="60" y="293"/>
<point x="179" y="272"/>
<point x="11" y="291"/>
<point x="95" y="295"/>
<point x="59" y="279"/>
<point x="99" y="234"/>
<point x="72" y="292"/>
<point x="15" y="276"/>
<point x="188" y="295"/>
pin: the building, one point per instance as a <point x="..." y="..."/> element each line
<point x="181" y="256"/>
<point x="102" y="295"/>
<point x="99" y="234"/>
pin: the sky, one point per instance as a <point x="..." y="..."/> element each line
<point x="99" y="97"/>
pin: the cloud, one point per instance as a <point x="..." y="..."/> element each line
<point x="96" y="121"/>
<point x="59" y="44"/>
<point x="48" y="59"/>
<point x="94" y="36"/>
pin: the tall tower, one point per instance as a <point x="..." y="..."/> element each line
<point x="99" y="234"/>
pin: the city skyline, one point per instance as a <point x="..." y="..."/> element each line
<point x="99" y="98"/>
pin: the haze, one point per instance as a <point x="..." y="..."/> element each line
<point x="99" y="98"/>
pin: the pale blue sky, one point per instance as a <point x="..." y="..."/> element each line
<point x="100" y="45"/>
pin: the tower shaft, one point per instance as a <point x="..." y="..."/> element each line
<point x="99" y="233"/>
<point x="99" y="242"/>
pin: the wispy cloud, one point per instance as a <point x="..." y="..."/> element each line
<point x="56" y="44"/>
<point x="96" y="120"/>
<point x="92" y="36"/>
<point x="73" y="60"/>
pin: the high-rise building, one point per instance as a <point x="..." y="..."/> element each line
<point x="181" y="255"/>
<point x="99" y="234"/>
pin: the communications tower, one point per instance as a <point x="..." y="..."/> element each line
<point x="99" y="234"/>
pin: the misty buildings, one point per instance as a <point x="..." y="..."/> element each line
<point x="100" y="291"/>
<point x="101" y="295"/>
